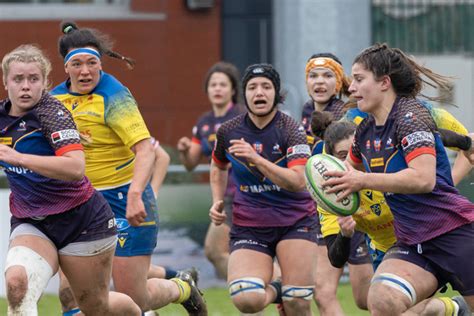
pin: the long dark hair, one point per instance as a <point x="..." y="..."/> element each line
<point x="75" y="37"/>
<point x="404" y="72"/>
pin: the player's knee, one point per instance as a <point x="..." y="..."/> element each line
<point x="297" y="298"/>
<point x="324" y="295"/>
<point x="214" y="254"/>
<point x="66" y="298"/>
<point x="360" y="297"/>
<point x="27" y="275"/>
<point x="248" y="294"/>
<point x="17" y="285"/>
<point x="389" y="294"/>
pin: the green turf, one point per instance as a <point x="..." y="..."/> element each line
<point x="218" y="302"/>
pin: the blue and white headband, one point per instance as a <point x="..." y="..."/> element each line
<point x="81" y="51"/>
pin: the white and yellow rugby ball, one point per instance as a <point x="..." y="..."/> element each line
<point x="315" y="168"/>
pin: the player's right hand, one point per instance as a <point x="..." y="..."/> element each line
<point x="217" y="214"/>
<point x="184" y="143"/>
<point x="347" y="225"/>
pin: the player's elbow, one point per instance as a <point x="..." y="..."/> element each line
<point x="426" y="184"/>
<point x="78" y="172"/>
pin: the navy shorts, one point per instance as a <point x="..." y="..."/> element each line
<point x="92" y="220"/>
<point x="359" y="253"/>
<point x="134" y="241"/>
<point x="266" y="239"/>
<point x="448" y="257"/>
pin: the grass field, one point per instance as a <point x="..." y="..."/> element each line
<point x="218" y="302"/>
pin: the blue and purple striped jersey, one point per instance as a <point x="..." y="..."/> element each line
<point x="46" y="130"/>
<point x="259" y="202"/>
<point x="204" y="134"/>
<point x="409" y="132"/>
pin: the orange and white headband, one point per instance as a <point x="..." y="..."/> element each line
<point x="329" y="63"/>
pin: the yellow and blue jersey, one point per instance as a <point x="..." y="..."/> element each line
<point x="373" y="218"/>
<point x="109" y="124"/>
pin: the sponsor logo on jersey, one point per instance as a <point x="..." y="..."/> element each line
<point x="121" y="241"/>
<point x="6" y="141"/>
<point x="376" y="162"/>
<point x="376" y="209"/>
<point x="122" y="224"/>
<point x="65" y="135"/>
<point x="389" y="144"/>
<point x="301" y="149"/>
<point x="276" y="149"/>
<point x="22" y="126"/>
<point x="259" y="188"/>
<point x="112" y="223"/>
<point x="211" y="138"/>
<point x="17" y="170"/>
<point x="205" y="128"/>
<point x="258" y="146"/>
<point x="369" y="194"/>
<point x="377" y="144"/>
<point x="409" y="116"/>
<point x="367" y="144"/>
<point x="416" y="138"/>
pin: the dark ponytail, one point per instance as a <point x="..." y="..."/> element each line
<point x="75" y="37"/>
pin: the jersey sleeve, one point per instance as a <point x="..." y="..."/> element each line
<point x="298" y="150"/>
<point x="123" y="116"/>
<point x="446" y="120"/>
<point x="196" y="135"/>
<point x="218" y="154"/>
<point x="58" y="127"/>
<point x="414" y="128"/>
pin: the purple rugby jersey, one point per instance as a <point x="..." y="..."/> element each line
<point x="46" y="130"/>
<point x="409" y="132"/>
<point x="258" y="202"/>
<point x="335" y="106"/>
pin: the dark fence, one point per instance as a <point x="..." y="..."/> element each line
<point x="425" y="26"/>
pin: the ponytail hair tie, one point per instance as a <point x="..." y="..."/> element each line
<point x="68" y="29"/>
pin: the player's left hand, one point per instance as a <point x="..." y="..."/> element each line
<point x="136" y="213"/>
<point x="10" y="155"/>
<point x="240" y="148"/>
<point x="344" y="182"/>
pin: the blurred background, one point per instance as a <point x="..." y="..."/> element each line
<point x="175" y="42"/>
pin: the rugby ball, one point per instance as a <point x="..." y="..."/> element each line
<point x="315" y="168"/>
